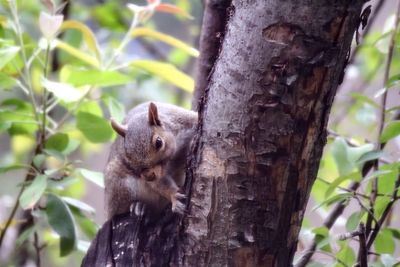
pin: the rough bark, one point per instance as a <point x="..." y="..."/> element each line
<point x="262" y="129"/>
<point x="212" y="34"/>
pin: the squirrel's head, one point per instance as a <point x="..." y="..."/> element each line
<point x="148" y="145"/>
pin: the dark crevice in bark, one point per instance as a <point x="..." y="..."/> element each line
<point x="216" y="14"/>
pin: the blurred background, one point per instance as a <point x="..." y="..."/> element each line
<point x="354" y="114"/>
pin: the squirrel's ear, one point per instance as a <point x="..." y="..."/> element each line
<point x="153" y="115"/>
<point x="119" y="128"/>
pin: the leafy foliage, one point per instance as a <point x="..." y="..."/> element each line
<point x="60" y="81"/>
<point x="358" y="180"/>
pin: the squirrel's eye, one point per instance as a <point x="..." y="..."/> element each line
<point x="158" y="143"/>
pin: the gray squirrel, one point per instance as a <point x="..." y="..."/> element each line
<point x="147" y="160"/>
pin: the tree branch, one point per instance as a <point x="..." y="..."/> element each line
<point x="363" y="250"/>
<point x="216" y="14"/>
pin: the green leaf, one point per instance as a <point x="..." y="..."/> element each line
<point x="389" y="260"/>
<point x="5" y="125"/>
<point x="92" y="107"/>
<point x="146" y="32"/>
<point x="55" y="154"/>
<point x="322" y="231"/>
<point x="334" y="199"/>
<point x="57" y="142"/>
<point x="32" y="193"/>
<point x="354" y="220"/>
<point x="167" y="72"/>
<point x="364" y="99"/>
<point x="95" y="177"/>
<point x="371" y="155"/>
<point x="108" y="15"/>
<point x="391" y="130"/>
<point x="6" y="82"/>
<point x="62" y="222"/>
<point x="355" y="176"/>
<point x="395" y="232"/>
<point x="20" y="114"/>
<point x="346" y="255"/>
<point x="77" y="53"/>
<point x="7" y="54"/>
<point x="88" y="227"/>
<point x="322" y="238"/>
<point x="80" y="77"/>
<point x="94" y="128"/>
<point x="38" y="160"/>
<point x="4" y="169"/>
<point x="117" y="110"/>
<point x="378" y="173"/>
<point x="63" y="91"/>
<point x="87" y="33"/>
<point x="389" y="174"/>
<point x="78" y="204"/>
<point x="346" y="157"/>
<point x="63" y="183"/>
<point x="393" y="81"/>
<point x="381" y="203"/>
<point x="384" y="242"/>
<point x="73" y="144"/>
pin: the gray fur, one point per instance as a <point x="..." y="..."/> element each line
<point x="131" y="156"/>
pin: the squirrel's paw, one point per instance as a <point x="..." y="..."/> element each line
<point x="177" y="205"/>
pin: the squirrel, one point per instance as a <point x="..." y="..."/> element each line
<point x="147" y="160"/>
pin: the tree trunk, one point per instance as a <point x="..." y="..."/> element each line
<point x="261" y="132"/>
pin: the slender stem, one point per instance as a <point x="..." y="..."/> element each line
<point x="362" y="251"/>
<point x="45" y="95"/>
<point x="366" y="209"/>
<point x="124" y="41"/>
<point x="385" y="213"/>
<point x="37" y="248"/>
<point x="11" y="216"/>
<point x="14" y="12"/>
<point x="72" y="110"/>
<point x="382" y="119"/>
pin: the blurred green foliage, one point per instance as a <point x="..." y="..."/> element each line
<point x="356" y="144"/>
<point x="64" y="70"/>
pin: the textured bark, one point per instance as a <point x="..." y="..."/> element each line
<point x="262" y="129"/>
<point x="212" y="34"/>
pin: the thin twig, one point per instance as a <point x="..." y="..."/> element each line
<point x="382" y="119"/>
<point x="366" y="209"/>
<point x="385" y="213"/>
<point x="37" y="247"/>
<point x="363" y="250"/>
<point x="11" y="216"/>
<point x="45" y="96"/>
<point x="14" y="12"/>
<point x="349" y="235"/>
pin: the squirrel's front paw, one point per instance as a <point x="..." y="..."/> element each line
<point x="178" y="206"/>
